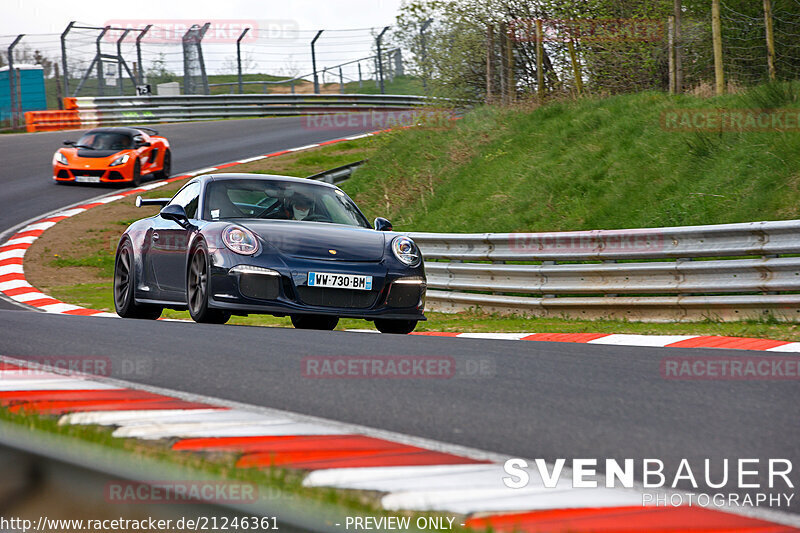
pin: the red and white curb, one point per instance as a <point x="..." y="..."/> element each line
<point x="13" y="284"/>
<point x="410" y="474"/>
<point x="621" y="339"/>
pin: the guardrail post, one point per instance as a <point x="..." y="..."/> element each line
<point x="64" y="56"/>
<point x="380" y="60"/>
<point x="139" y="52"/>
<point x="314" y="61"/>
<point x="360" y="80"/>
<point x="12" y="85"/>
<point x="341" y="81"/>
<point x="239" y="57"/>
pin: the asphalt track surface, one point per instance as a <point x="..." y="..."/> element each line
<point x="535" y="400"/>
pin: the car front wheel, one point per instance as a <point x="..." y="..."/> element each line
<point x="125" y="284"/>
<point x="197" y="290"/>
<point x="401" y="327"/>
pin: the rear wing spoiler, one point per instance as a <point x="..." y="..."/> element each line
<point x="161" y="202"/>
<point x="151" y="131"/>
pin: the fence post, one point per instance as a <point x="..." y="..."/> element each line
<point x="12" y="85"/>
<point x="424" y="53"/>
<point x="380" y="60"/>
<point x="576" y="67"/>
<point x="770" y="39"/>
<point x="360" y="80"/>
<point x="489" y="62"/>
<point x="239" y="58"/>
<point x="677" y="47"/>
<point x="341" y="81"/>
<point x="539" y="60"/>
<point x="200" y="58"/>
<point x="64" y="55"/>
<point x="314" y="61"/>
<point x="119" y="62"/>
<point x="671" y="52"/>
<point x="139" y="52"/>
<point x="510" y="63"/>
<point x="716" y="30"/>
<point x="100" y="80"/>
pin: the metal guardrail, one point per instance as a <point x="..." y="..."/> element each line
<point x="338" y="174"/>
<point x="144" y="109"/>
<point x="721" y="272"/>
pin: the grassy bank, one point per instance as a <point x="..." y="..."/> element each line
<point x="590" y="164"/>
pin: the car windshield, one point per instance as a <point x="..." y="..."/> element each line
<point x="106" y="140"/>
<point x="280" y="200"/>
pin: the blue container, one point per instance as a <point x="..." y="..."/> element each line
<point x="31" y="87"/>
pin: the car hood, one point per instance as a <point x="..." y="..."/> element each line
<point x="319" y="240"/>
<point x="83" y="152"/>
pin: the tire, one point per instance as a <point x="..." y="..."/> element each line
<point x="322" y="322"/>
<point x="400" y="327"/>
<point x="137" y="173"/>
<point x="197" y="289"/>
<point x="166" y="166"/>
<point x="124" y="286"/>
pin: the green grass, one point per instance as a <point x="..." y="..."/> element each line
<point x="399" y="85"/>
<point x="590" y="164"/>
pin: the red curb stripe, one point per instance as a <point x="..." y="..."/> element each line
<point x="60" y="408"/>
<point x="30" y="397"/>
<point x="273" y="154"/>
<point x="9" y="366"/>
<point x="20" y="290"/>
<point x="82" y="312"/>
<point x="41" y="302"/>
<point x="11" y="261"/>
<point x="228" y="165"/>
<point x="565" y="337"/>
<point x="29" y="233"/>
<point x="20" y="246"/>
<point x="626" y="520"/>
<point x="326" y="143"/>
<point x="716" y="341"/>
<point x="89" y="206"/>
<point x="391" y="459"/>
<point x="14" y="276"/>
<point x="51" y="219"/>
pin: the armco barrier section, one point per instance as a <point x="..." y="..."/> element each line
<point x="719" y="272"/>
<point x="111" y="110"/>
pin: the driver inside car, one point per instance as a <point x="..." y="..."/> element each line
<point x="302" y="207"/>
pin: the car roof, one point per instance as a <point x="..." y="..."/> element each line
<point x="263" y="177"/>
<point x="119" y="129"/>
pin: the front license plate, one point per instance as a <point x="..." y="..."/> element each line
<point x="339" y="281"/>
<point x="87" y="179"/>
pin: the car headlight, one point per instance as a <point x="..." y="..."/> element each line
<point x="121" y="160"/>
<point x="406" y="251"/>
<point x="60" y="158"/>
<point x="240" y="240"/>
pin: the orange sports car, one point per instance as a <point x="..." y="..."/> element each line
<point x="113" y="155"/>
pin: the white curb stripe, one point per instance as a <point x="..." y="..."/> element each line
<point x="251" y="430"/>
<point x="306" y="147"/>
<point x="641" y="340"/>
<point x="159" y="431"/>
<point x="20" y="240"/>
<point x="13" y="284"/>
<point x="495" y="336"/>
<point x="791" y="347"/>
<point x="498" y="500"/>
<point x="251" y="159"/>
<point x="111" y="418"/>
<point x="383" y="476"/>
<point x="8" y="254"/>
<point x="59" y="308"/>
<point x="37" y="226"/>
<point x="11" y="269"/>
<point x="52" y="384"/>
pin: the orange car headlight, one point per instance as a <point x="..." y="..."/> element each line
<point x="60" y="158"/>
<point x="121" y="160"/>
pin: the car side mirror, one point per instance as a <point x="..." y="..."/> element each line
<point x="69" y="143"/>
<point x="144" y="143"/>
<point x="381" y="224"/>
<point x="176" y="213"/>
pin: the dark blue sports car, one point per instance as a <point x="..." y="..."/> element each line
<point x="235" y="244"/>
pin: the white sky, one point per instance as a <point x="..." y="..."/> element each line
<point x="49" y="16"/>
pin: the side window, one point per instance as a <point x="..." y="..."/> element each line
<point x="188" y="198"/>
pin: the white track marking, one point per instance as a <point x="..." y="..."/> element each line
<point x="114" y="418"/>
<point x="791" y="347"/>
<point x="251" y="159"/>
<point x="287" y="428"/>
<point x="468" y="501"/>
<point x="299" y="148"/>
<point x="641" y="340"/>
<point x="495" y="336"/>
